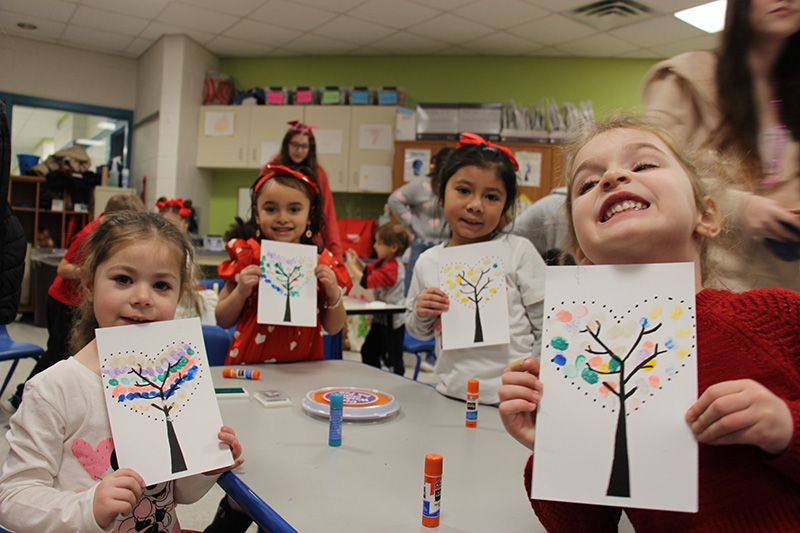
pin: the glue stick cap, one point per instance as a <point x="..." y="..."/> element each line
<point x="337" y="400"/>
<point x="472" y="386"/>
<point x="433" y="464"/>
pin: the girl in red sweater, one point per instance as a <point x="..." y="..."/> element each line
<point x="633" y="197"/>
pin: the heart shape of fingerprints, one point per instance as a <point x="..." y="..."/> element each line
<point x="590" y="344"/>
<point x="153" y="384"/>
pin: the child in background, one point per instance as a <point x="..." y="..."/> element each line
<point x="64" y="296"/>
<point x="478" y="186"/>
<point x="385" y="275"/>
<point x="299" y="152"/>
<point x="286" y="208"/>
<point x="748" y="345"/>
<point x="175" y="211"/>
<point x="416" y="206"/>
<point x="61" y="472"/>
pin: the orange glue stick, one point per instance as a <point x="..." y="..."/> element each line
<point x="241" y="373"/>
<point x="472" y="403"/>
<point x="432" y="491"/>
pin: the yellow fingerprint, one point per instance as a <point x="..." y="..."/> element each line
<point x="615" y="332"/>
<point x="655" y="313"/>
<point x="683" y="333"/>
<point x="446" y="269"/>
<point x="651" y="365"/>
<point x="631" y="328"/>
<point x="487" y="261"/>
<point x="493" y="290"/>
<point x="677" y="313"/>
<point x="464" y="300"/>
<point x="471" y="273"/>
<point x="682" y="353"/>
<point x="459" y="267"/>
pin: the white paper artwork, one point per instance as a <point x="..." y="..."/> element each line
<point x="619" y="369"/>
<point x="530" y="169"/>
<point x="376" y="137"/>
<point x="220" y="123"/>
<point x="416" y="164"/>
<point x="287" y="290"/>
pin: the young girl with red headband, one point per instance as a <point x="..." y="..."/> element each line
<point x="286" y="208"/>
<point x="299" y="152"/>
<point x="477" y="187"/>
<point x="175" y="210"/>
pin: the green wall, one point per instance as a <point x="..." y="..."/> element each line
<point x="611" y="85"/>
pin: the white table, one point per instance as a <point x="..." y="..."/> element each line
<point x="353" y="306"/>
<point x="374" y="481"/>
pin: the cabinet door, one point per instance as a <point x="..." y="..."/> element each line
<point x="268" y="125"/>
<point x="222" y="136"/>
<point x="371" y="148"/>
<point x="333" y="141"/>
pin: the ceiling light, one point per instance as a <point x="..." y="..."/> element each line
<point x="708" y="17"/>
<point x="26" y="26"/>
<point x="107" y="126"/>
<point x="89" y="142"/>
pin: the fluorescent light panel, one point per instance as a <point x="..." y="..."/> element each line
<point x="89" y="142"/>
<point x="107" y="126"/>
<point x="708" y="17"/>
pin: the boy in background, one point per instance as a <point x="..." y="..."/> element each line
<point x="386" y="277"/>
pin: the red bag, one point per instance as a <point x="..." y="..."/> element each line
<point x="356" y="234"/>
<point x="217" y="89"/>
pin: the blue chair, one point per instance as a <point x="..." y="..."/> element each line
<point x="418" y="348"/>
<point x="332" y="346"/>
<point x="217" y="341"/>
<point x="261" y="513"/>
<point x="209" y="283"/>
<point x="14" y="351"/>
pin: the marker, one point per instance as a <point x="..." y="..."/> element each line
<point x="335" y="429"/>
<point x="241" y="373"/>
<point x="432" y="490"/>
<point x="472" y="403"/>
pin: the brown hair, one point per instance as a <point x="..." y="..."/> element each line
<point x="310" y="162"/>
<point x="124" y="202"/>
<point x="393" y="233"/>
<point x="119" y="230"/>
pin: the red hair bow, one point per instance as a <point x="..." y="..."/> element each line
<point x="270" y="171"/>
<point x="471" y="139"/>
<point x="177" y="202"/>
<point x="296" y="125"/>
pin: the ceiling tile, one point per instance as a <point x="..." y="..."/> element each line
<point x="238" y="8"/>
<point x="641" y="53"/>
<point x="44" y="9"/>
<point x="559" y="6"/>
<point x="147" y="9"/>
<point x="227" y="47"/>
<point x="444" y="5"/>
<point x="310" y="44"/>
<point x="450" y="29"/>
<point x="346" y="28"/>
<point x="46" y="30"/>
<point x="709" y="41"/>
<point x="339" y="6"/>
<point x="552" y="30"/>
<point x="398" y="14"/>
<point x="502" y="44"/>
<point x="409" y="43"/>
<point x="264" y="34"/>
<point x="196" y="18"/>
<point x="138" y="47"/>
<point x="89" y="17"/>
<point x="600" y="45"/>
<point x="286" y="14"/>
<point x="155" y="30"/>
<point x="500" y="15"/>
<point x="95" y="39"/>
<point x="550" y="52"/>
<point x="656" y="31"/>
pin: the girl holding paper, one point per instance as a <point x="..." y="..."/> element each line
<point x="478" y="186"/>
<point x="61" y="472"/>
<point x="633" y="197"/>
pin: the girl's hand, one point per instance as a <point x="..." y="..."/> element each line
<point x="764" y="217"/>
<point x="247" y="279"/>
<point x="228" y="436"/>
<point x="432" y="302"/>
<point x="742" y="412"/>
<point x="117" y="494"/>
<point x="328" y="279"/>
<point x="519" y="397"/>
<point x="351" y="258"/>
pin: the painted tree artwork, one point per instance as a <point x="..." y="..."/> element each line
<point x="160" y="399"/>
<point x="287" y="272"/>
<point x="473" y="277"/>
<point x="619" y="368"/>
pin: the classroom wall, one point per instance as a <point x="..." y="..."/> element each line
<point x="611" y="85"/>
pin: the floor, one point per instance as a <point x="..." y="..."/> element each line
<point x="196" y="516"/>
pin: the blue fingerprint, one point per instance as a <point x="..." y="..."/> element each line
<point x="560" y="360"/>
<point x="643" y="322"/>
<point x="670" y="344"/>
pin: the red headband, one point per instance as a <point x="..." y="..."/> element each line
<point x="279" y="170"/>
<point x="178" y="202"/>
<point x="296" y="125"/>
<point x="470" y="139"/>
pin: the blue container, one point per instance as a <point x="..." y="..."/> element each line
<point x="27" y="162"/>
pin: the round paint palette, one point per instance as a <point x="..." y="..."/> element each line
<point x="359" y="404"/>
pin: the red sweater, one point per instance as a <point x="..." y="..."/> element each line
<point x="754" y="335"/>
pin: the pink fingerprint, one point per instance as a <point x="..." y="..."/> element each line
<point x="564" y="316"/>
<point x="654" y="381"/>
<point x="596" y="361"/>
<point x="604" y="392"/>
<point x="648" y="345"/>
<point x="580" y="311"/>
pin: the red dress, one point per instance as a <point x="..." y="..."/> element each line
<point x="269" y="343"/>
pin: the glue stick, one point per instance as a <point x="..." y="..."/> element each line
<point x="432" y="490"/>
<point x="241" y="373"/>
<point x="472" y="403"/>
<point x="335" y="430"/>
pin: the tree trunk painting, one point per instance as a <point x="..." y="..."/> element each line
<point x="287" y="314"/>
<point x="175" y="452"/>
<point x="478" y="327"/>
<point x="619" y="483"/>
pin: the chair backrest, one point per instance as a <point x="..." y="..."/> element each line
<point x="209" y="283"/>
<point x="217" y="341"/>
<point x="4" y="336"/>
<point x="261" y="513"/>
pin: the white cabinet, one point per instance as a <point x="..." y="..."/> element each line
<point x="355" y="144"/>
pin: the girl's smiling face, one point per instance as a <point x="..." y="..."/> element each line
<point x="633" y="202"/>
<point x="282" y="212"/>
<point x="474" y="201"/>
<point x="138" y="283"/>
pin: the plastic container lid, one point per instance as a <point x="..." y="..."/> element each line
<point x="337" y="401"/>
<point x="472" y="386"/>
<point x="433" y="464"/>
